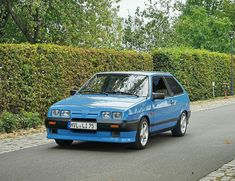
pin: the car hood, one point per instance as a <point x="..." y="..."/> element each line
<point x="99" y="101"/>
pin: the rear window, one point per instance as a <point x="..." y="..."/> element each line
<point x="175" y="87"/>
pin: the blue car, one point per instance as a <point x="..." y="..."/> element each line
<point x="120" y="107"/>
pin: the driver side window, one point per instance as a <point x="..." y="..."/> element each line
<point x="159" y="86"/>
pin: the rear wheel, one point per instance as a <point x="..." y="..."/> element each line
<point x="142" y="134"/>
<point x="63" y="142"/>
<point x="181" y="127"/>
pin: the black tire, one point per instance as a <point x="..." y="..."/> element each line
<point x="63" y="142"/>
<point x="181" y="126"/>
<point x="139" y="144"/>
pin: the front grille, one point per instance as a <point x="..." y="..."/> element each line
<point x="83" y="120"/>
<point x="83" y="131"/>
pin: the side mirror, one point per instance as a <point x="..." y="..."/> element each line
<point x="158" y="95"/>
<point x="73" y="92"/>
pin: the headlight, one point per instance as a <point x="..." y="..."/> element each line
<point x="106" y="115"/>
<point x="55" y="113"/>
<point x="65" y="114"/>
<point x="117" y="115"/>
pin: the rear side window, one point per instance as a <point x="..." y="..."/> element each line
<point x="159" y="86"/>
<point x="175" y="87"/>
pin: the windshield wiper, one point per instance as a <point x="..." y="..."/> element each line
<point x="92" y="91"/>
<point x="87" y="90"/>
<point x="120" y="92"/>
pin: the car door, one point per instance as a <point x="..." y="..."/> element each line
<point x="162" y="108"/>
<point x="177" y="95"/>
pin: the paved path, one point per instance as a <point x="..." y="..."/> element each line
<point x="21" y="142"/>
<point x="225" y="173"/>
<point x="209" y="144"/>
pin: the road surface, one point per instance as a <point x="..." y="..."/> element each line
<point x="209" y="143"/>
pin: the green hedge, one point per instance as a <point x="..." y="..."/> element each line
<point x="10" y="122"/>
<point x="195" y="69"/>
<point x="36" y="76"/>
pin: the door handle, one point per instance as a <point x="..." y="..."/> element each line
<point x="172" y="102"/>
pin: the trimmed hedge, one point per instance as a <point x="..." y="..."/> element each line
<point x="195" y="69"/>
<point x="36" y="76"/>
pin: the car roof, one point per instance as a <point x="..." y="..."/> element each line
<point x="148" y="73"/>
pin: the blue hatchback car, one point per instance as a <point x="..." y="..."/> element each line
<point x="120" y="107"/>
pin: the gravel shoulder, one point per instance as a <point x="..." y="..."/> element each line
<point x="211" y="103"/>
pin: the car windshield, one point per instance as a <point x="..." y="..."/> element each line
<point x="125" y="84"/>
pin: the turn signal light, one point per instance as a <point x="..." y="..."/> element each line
<point x="52" y="123"/>
<point x="114" y="126"/>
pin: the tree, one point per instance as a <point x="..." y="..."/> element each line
<point x="150" y="28"/>
<point x="227" y="9"/>
<point x="4" y="16"/>
<point x="84" y="23"/>
<point x="134" y="32"/>
<point x="204" y="24"/>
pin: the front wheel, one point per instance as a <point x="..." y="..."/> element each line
<point x="181" y="127"/>
<point x="63" y="142"/>
<point x="142" y="134"/>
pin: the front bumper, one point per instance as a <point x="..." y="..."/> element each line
<point x="125" y="132"/>
<point x="98" y="136"/>
<point x="62" y="123"/>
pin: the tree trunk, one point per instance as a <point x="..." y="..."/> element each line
<point x="17" y="19"/>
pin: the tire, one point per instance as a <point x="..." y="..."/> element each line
<point x="142" y="134"/>
<point x="181" y="126"/>
<point x="63" y="142"/>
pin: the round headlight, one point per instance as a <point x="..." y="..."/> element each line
<point x="105" y="115"/>
<point x="117" y="115"/>
<point x="65" y="114"/>
<point x="55" y="113"/>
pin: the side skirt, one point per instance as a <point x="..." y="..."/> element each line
<point x="161" y="131"/>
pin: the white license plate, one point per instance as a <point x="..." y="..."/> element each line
<point x="83" y="125"/>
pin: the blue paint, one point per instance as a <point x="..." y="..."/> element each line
<point x="90" y="106"/>
<point x="99" y="136"/>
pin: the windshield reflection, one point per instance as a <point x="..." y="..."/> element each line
<point x="124" y="84"/>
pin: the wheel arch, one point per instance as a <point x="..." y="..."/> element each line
<point x="145" y="116"/>
<point x="187" y="114"/>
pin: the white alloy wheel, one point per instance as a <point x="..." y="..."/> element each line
<point x="144" y="133"/>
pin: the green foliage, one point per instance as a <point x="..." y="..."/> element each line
<point x="198" y="29"/>
<point x="9" y="122"/>
<point x="199" y="24"/>
<point x="36" y="76"/>
<point x="195" y="69"/>
<point x="29" y="120"/>
<point x="1" y="126"/>
<point x="83" y="23"/>
<point x="150" y="27"/>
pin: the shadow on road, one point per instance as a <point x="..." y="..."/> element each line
<point x="154" y="141"/>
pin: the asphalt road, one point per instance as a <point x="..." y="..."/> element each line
<point x="209" y="143"/>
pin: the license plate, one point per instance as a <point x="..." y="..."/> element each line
<point x="83" y="125"/>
